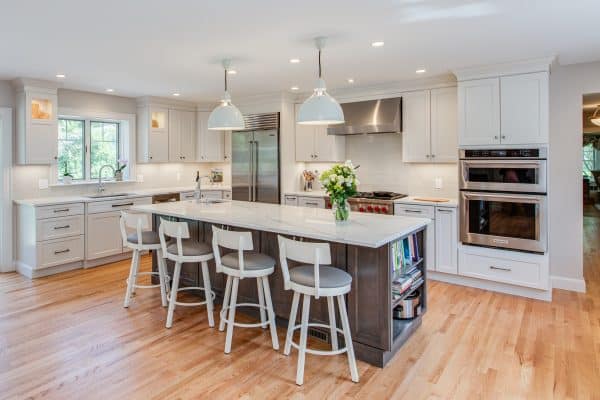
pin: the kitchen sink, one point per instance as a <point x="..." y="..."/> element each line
<point x="103" y="195"/>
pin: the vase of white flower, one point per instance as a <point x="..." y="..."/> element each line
<point x="340" y="183"/>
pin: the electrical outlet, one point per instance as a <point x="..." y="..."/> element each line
<point x="140" y="178"/>
<point x="178" y="176"/>
<point x="438" y="184"/>
<point x="43" y="183"/>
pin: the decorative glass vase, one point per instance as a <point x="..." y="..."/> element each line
<point x="341" y="210"/>
<point x="118" y="176"/>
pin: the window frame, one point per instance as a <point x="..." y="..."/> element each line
<point x="83" y="148"/>
<point x="88" y="152"/>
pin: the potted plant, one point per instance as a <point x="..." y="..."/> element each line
<point x="340" y="183"/>
<point x="67" y="177"/>
<point x="121" y="164"/>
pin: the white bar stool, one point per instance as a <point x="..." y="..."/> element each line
<point x="315" y="280"/>
<point x="185" y="250"/>
<point x="245" y="263"/>
<point x="142" y="239"/>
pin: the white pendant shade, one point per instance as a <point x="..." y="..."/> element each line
<point x="595" y="121"/>
<point x="226" y="116"/>
<point x="320" y="108"/>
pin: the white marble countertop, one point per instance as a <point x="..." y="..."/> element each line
<point x="48" y="201"/>
<point x="452" y="202"/>
<point x="362" y="229"/>
<point x="302" y="193"/>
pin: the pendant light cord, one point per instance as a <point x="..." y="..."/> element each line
<point x="225" y="79"/>
<point x="319" y="63"/>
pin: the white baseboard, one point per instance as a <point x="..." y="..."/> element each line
<point x="575" y="285"/>
<point x="537" y="294"/>
<point x="32" y="273"/>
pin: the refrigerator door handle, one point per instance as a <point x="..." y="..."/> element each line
<point x="250" y="172"/>
<point x="255" y="176"/>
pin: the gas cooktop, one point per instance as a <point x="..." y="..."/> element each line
<point x="378" y="195"/>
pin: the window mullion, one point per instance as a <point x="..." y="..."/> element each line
<point x="88" y="147"/>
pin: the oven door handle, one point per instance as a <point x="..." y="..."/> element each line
<point x="505" y="163"/>
<point x="532" y="199"/>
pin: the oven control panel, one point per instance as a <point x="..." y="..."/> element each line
<point x="370" y="207"/>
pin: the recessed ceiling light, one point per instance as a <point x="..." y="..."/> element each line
<point x="232" y="72"/>
<point x="294" y="88"/>
<point x="110" y="90"/>
<point x="176" y="94"/>
<point x="377" y="44"/>
<point x="61" y="76"/>
<point x="421" y="71"/>
<point x="350" y="80"/>
<point x="294" y="60"/>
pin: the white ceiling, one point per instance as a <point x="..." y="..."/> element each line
<point x="157" y="47"/>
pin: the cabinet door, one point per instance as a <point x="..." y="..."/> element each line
<point x="479" y="112"/>
<point x="446" y="240"/>
<point x="211" y="144"/>
<point x="444" y="125"/>
<point x="227" y="148"/>
<point x="328" y="148"/>
<point x="305" y="140"/>
<point x="158" y="135"/>
<point x="416" y="132"/>
<point x="103" y="235"/>
<point x="41" y="136"/>
<point x="187" y="136"/>
<point x="175" y="129"/>
<point x="524" y="108"/>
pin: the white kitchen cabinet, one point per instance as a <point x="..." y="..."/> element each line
<point x="36" y="123"/>
<point x="416" y="132"/>
<point x="446" y="243"/>
<point x="444" y="125"/>
<point x="182" y="136"/>
<point x="422" y="211"/>
<point x="211" y="144"/>
<point x="479" y="112"/>
<point x="313" y="144"/>
<point x="153" y="134"/>
<point x="227" y="148"/>
<point x="524" y="108"/>
<point x="103" y="235"/>
<point x="311" y="202"/>
<point x="290" y="200"/>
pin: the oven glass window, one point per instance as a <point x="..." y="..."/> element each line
<point x="502" y="175"/>
<point x="499" y="218"/>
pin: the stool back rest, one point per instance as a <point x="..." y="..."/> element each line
<point x="233" y="240"/>
<point x="173" y="229"/>
<point x="139" y="222"/>
<point x="304" y="252"/>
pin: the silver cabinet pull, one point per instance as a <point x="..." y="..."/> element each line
<point x="62" y="251"/>
<point x="500" y="268"/>
<point x="61" y="210"/>
<point x="445" y="211"/>
<point x="413" y="211"/>
<point x="62" y="227"/>
<point x="311" y="203"/>
<point x="122" y="205"/>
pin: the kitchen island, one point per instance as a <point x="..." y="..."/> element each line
<point x="366" y="247"/>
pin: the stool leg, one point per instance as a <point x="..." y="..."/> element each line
<point x="161" y="277"/>
<point x="274" y="338"/>
<point x="225" y="303"/>
<point x="231" y="318"/>
<point x="303" y="334"/>
<point x="208" y="294"/>
<point x="261" y="302"/>
<point x="332" y="324"/>
<point x="348" y="338"/>
<point x="291" y="323"/>
<point x="173" y="296"/>
<point x="131" y="280"/>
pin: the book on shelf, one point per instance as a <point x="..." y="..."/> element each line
<point x="406" y="253"/>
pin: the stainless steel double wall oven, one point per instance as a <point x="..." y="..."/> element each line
<point x="503" y="198"/>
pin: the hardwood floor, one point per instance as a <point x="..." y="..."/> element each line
<point x="68" y="337"/>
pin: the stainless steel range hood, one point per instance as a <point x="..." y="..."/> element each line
<point x="369" y="117"/>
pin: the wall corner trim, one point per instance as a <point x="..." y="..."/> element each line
<point x="574" y="285"/>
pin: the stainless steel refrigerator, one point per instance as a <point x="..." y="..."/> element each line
<point x="255" y="159"/>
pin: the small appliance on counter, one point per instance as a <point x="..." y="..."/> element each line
<point x="308" y="178"/>
<point x="216" y="175"/>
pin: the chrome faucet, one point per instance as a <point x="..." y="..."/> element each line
<point x="100" y="184"/>
<point x="198" y="191"/>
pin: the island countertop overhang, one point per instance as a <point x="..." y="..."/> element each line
<point x="368" y="230"/>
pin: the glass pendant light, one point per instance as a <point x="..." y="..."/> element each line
<point x="596" y="118"/>
<point x="226" y="116"/>
<point x="320" y="108"/>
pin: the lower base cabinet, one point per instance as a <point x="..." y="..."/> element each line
<point x="446" y="244"/>
<point x="103" y="236"/>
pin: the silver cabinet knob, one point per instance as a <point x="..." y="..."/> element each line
<point x="427" y="155"/>
<point x="433" y="155"/>
<point x="496" y="137"/>
<point x="503" y="137"/>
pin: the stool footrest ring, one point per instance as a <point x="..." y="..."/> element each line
<point x="167" y="278"/>
<point x="320" y="352"/>
<point x="223" y="315"/>
<point x="199" y="303"/>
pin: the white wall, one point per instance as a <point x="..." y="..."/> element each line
<point x="86" y="101"/>
<point x="568" y="84"/>
<point x="6" y="94"/>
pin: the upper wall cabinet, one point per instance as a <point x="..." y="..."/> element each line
<point x="511" y="109"/>
<point x="430" y="126"/>
<point x="166" y="131"/>
<point x="313" y="144"/>
<point x="211" y="144"/>
<point x="36" y="124"/>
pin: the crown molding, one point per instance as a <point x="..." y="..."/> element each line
<point x="22" y="84"/>
<point x="512" y="68"/>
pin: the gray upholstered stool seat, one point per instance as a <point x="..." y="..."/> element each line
<point x="329" y="277"/>
<point x="252" y="261"/>
<point x="148" y="237"/>
<point x="190" y="248"/>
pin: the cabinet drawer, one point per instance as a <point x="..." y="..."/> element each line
<point x="116" y="205"/>
<point x="186" y="196"/>
<point x="59" y="210"/>
<point x="57" y="252"/>
<point x="314" y="202"/>
<point x="212" y="194"/>
<point x="227" y="195"/>
<point x="291" y="200"/>
<point x="522" y="273"/>
<point x="55" y="228"/>
<point x="414" y="210"/>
